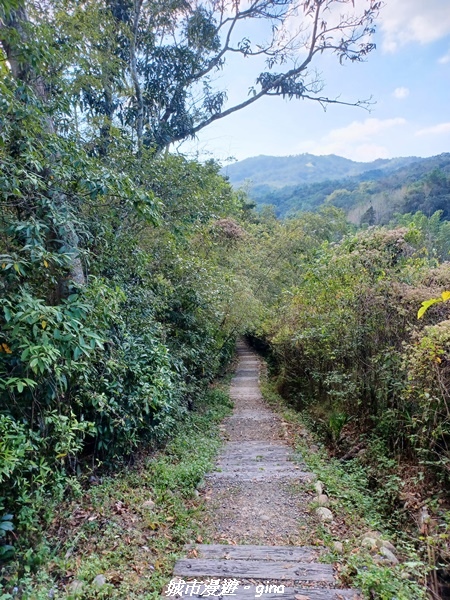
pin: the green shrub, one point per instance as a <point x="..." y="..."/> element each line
<point x="426" y="396"/>
<point x="347" y="344"/>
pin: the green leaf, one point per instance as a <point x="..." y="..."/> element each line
<point x="426" y="305"/>
<point x="29" y="382"/>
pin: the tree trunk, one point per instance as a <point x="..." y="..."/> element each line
<point x="134" y="74"/>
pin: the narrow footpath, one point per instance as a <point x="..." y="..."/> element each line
<point x="256" y="511"/>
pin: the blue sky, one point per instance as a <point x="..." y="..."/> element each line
<point x="408" y="76"/>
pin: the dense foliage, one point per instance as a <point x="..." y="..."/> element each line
<point x="349" y="344"/>
<point x="147" y="70"/>
<point x="113" y="317"/>
<point x="346" y="344"/>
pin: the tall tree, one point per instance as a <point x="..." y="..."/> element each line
<point x="16" y="37"/>
<point x="170" y="52"/>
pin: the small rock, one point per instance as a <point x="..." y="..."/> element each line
<point x="318" y="486"/>
<point x="99" y="580"/>
<point x="314" y="448"/>
<point x="148" y="504"/>
<point x="324" y="514"/>
<point x="379" y="560"/>
<point x="389" y="556"/>
<point x="372" y="534"/>
<point x="76" y="587"/>
<point x="338" y="547"/>
<point x="369" y="542"/>
<point x="386" y="544"/>
<point x="406" y="575"/>
<point x="323" y="500"/>
<point x="196" y="493"/>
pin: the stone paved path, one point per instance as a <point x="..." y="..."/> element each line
<point x="257" y="511"/>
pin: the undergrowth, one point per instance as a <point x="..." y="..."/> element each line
<point x="358" y="510"/>
<point x="129" y="526"/>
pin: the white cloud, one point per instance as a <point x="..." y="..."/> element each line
<point x="359" y="131"/>
<point x="435" y="129"/>
<point x="356" y="141"/>
<point x="404" y="21"/>
<point x="444" y="59"/>
<point x="401" y="93"/>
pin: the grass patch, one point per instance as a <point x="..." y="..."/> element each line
<point x="131" y="526"/>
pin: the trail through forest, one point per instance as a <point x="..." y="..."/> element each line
<point x="257" y="509"/>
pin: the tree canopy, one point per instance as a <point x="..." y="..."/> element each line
<point x="149" y="67"/>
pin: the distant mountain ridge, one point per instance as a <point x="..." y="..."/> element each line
<point x="383" y="187"/>
<point x="269" y="172"/>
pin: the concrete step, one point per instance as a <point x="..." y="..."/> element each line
<point x="256" y="451"/>
<point x="268" y="474"/>
<point x="254" y="569"/>
<point x="252" y="414"/>
<point x="250" y="552"/>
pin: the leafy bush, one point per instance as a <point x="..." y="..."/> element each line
<point x="346" y="343"/>
<point x="6" y="550"/>
<point x="426" y="396"/>
<point x="112" y="320"/>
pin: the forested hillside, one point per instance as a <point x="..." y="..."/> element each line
<point x="265" y="173"/>
<point x="129" y="271"/>
<point x="383" y="187"/>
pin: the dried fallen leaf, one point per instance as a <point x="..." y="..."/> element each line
<point x="115" y="577"/>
